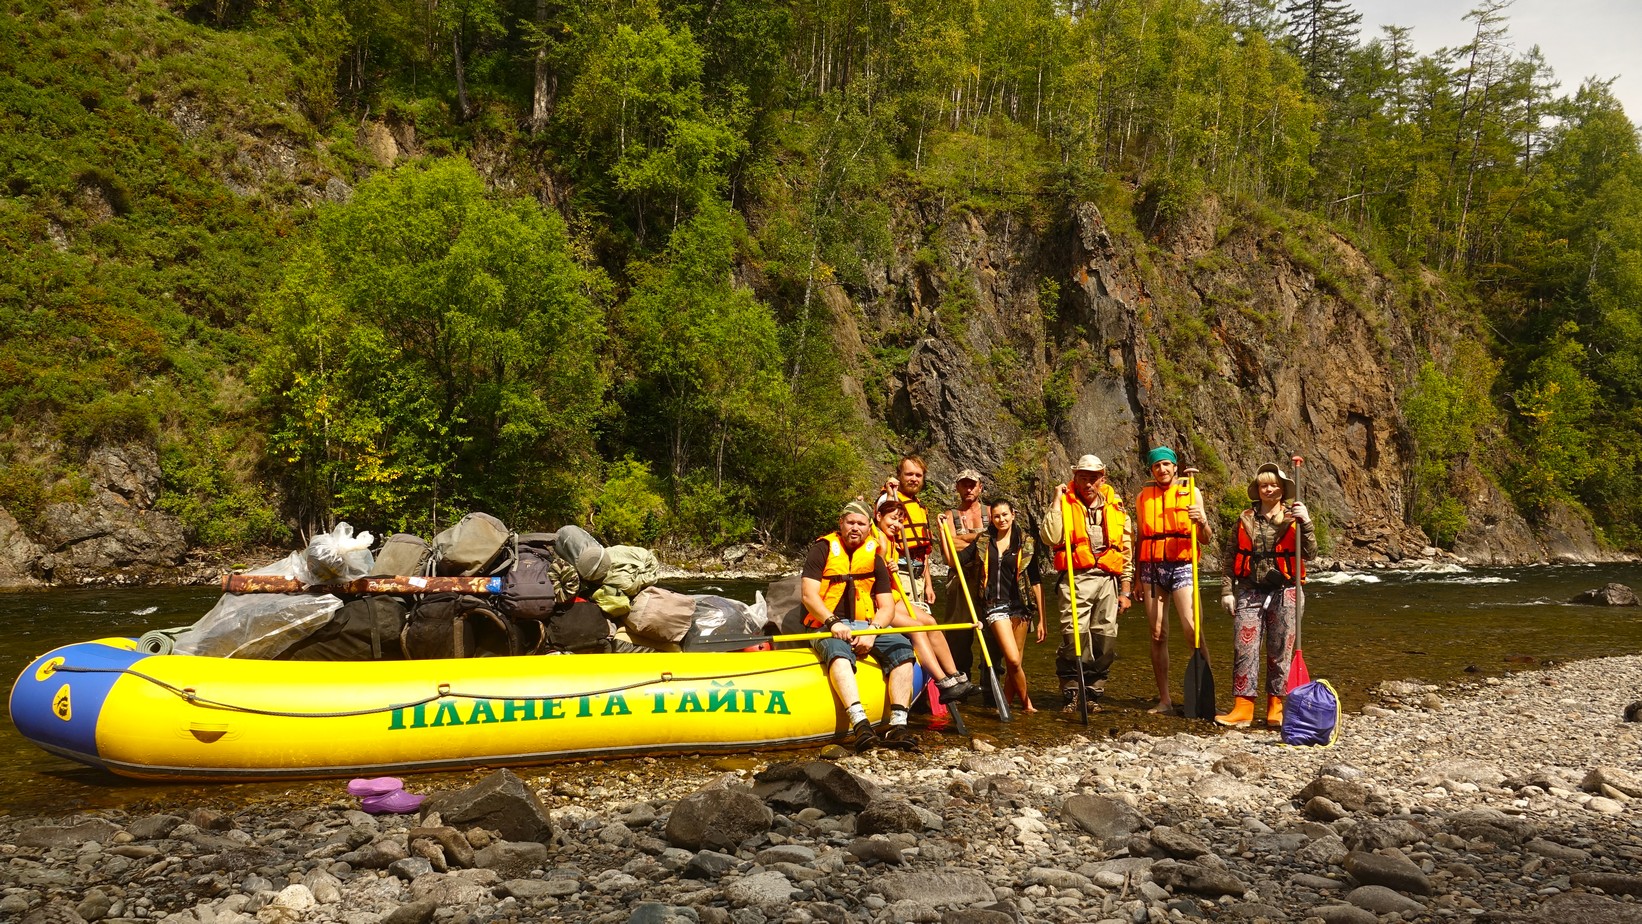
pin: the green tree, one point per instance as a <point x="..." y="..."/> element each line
<point x="434" y="352"/>
<point x="647" y="139"/>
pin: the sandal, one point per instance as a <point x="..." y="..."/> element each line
<point x="398" y="802"/>
<point x="900" y="737"/>
<point x="380" y="786"/>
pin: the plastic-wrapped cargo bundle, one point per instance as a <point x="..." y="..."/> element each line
<point x="265" y="625"/>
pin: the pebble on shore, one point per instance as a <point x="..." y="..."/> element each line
<point x="1504" y="800"/>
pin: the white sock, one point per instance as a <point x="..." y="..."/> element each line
<point x="947" y="682"/>
<point x="897" y="715"/>
<point x="856" y="713"/>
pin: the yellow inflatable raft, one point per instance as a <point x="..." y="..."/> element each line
<point x="106" y="704"/>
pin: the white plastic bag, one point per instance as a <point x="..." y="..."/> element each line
<point x="256" y="625"/>
<point x="338" y="555"/>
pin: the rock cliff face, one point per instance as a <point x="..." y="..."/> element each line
<point x="1232" y="341"/>
<point x="117" y="536"/>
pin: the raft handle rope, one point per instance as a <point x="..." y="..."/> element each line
<point x="189" y="694"/>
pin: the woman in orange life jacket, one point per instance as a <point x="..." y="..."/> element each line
<point x="1260" y="593"/>
<point x="1011" y="596"/>
<point x="931" y="647"/>
<point x="1166" y="513"/>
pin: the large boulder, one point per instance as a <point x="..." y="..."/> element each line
<point x="793" y="786"/>
<point x="500" y="802"/>
<point x="1608" y="595"/>
<point x="719" y="815"/>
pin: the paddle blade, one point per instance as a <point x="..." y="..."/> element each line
<point x="1199" y="702"/>
<point x="998" y="697"/>
<point x="1298" y="675"/>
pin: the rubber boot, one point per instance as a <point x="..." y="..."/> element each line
<point x="1274" y="712"/>
<point x="1241" y="716"/>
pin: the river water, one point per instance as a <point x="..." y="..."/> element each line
<point x="1437" y="625"/>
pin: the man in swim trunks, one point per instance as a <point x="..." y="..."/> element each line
<point x="1166" y="514"/>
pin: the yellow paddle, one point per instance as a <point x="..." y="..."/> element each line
<point x="974" y="621"/>
<point x="1072" y="591"/>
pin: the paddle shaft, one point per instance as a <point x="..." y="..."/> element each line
<point x="963" y="584"/>
<point x="901" y="592"/>
<point x="1299" y="556"/>
<point x="1072" y="594"/>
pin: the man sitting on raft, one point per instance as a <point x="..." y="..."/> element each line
<point x="846" y="587"/>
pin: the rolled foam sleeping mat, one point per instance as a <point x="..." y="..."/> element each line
<point x="160" y="641"/>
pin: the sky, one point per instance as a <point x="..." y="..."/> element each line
<point x="1579" y="38"/>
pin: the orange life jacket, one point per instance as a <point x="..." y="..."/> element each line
<point x="842" y="570"/>
<point x="915" y="538"/>
<point x="1109" y="556"/>
<point x="1249" y="562"/>
<point x="1165" y="531"/>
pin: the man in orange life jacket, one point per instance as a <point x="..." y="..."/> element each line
<point x="1166" y="514"/>
<point x="847" y="587"/>
<point x="1100" y="534"/>
<point x="916" y="538"/>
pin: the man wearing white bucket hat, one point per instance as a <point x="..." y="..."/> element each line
<point x="1089" y="516"/>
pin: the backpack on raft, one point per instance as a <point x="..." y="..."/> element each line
<point x="784" y="600"/>
<point x="660" y="617"/>
<point x="458" y="626"/>
<point x="530" y="589"/>
<point x="1311" y="714"/>
<point x="402" y="555"/>
<point x="366" y="629"/>
<point x="479" y="544"/>
<point x="579" y="627"/>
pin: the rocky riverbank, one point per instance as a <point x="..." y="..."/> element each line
<point x="1516" y="799"/>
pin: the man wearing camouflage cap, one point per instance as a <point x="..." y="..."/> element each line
<point x="847" y="588"/>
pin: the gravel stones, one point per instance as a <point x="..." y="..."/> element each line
<point x="500" y="802"/>
<point x="935" y="887"/>
<point x="792" y="786"/>
<point x="1045" y="834"/>
<point x="1104" y="817"/>
<point x="1353" y="797"/>
<point x="1391" y="870"/>
<point x="1382" y="900"/>
<point x="888" y="816"/>
<point x="721" y="815"/>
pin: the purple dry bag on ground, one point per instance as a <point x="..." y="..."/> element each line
<point x="1311" y="714"/>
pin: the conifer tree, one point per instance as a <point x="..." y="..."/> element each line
<point x="1322" y="33"/>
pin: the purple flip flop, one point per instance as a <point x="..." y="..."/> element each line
<point x="398" y="802"/>
<point x="379" y="786"/>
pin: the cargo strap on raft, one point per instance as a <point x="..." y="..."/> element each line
<point x="445" y="692"/>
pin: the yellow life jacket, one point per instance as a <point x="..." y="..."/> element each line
<point x="842" y="570"/>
